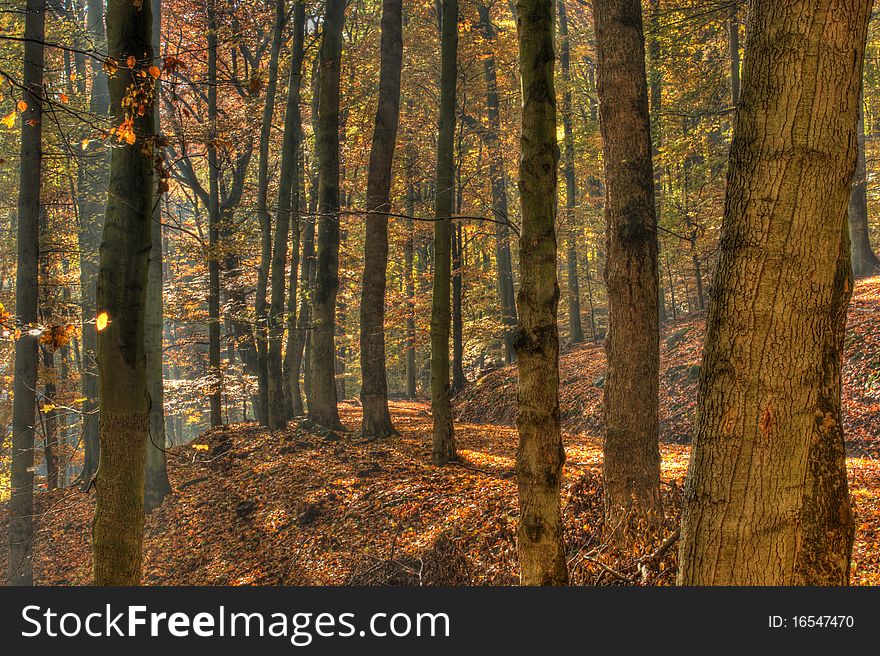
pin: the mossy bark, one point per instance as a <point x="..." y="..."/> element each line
<point x="540" y="456"/>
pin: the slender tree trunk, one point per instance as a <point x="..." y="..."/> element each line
<point x="322" y="402"/>
<point x="288" y="200"/>
<point x="503" y="259"/>
<point x="458" y="379"/>
<point x="631" y="453"/>
<point x="733" y="44"/>
<point x="156" y="484"/>
<point x="374" y="386"/>
<point x="864" y="261"/>
<point x="409" y="283"/>
<point x="540" y="457"/>
<point x="576" y="330"/>
<point x="48" y="420"/>
<point x="215" y="373"/>
<point x="117" y="533"/>
<point x="21" y="502"/>
<point x="93" y="170"/>
<point x="766" y="500"/>
<point x="265" y="221"/>
<point x="441" y="409"/>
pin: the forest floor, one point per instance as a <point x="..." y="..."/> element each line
<point x="313" y="507"/>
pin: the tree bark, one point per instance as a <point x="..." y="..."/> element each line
<point x="288" y="202"/>
<point x="573" y="296"/>
<point x="631" y="452"/>
<point x="864" y="261"/>
<point x="441" y="410"/>
<point x="21" y="501"/>
<point x="374" y="386"/>
<point x="500" y="212"/>
<point x="540" y="456"/>
<point x="409" y="283"/>
<point x="766" y="499"/>
<point x="156" y="484"/>
<point x="93" y="170"/>
<point x="265" y="221"/>
<point x="117" y="532"/>
<point x="322" y="402"/>
<point x="215" y="373"/>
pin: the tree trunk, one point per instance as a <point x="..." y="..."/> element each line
<point x="374" y="386"/>
<point x="766" y="500"/>
<point x="576" y="330"/>
<point x="409" y="283"/>
<point x="93" y="170"/>
<point x="21" y="501"/>
<point x="49" y="420"/>
<point x="215" y="373"/>
<point x="864" y="261"/>
<point x="441" y="410"/>
<point x="322" y="402"/>
<point x="503" y="259"/>
<point x="540" y="456"/>
<point x="117" y="533"/>
<point x="156" y="484"/>
<point x="288" y="199"/>
<point x="631" y="453"/>
<point x="733" y="44"/>
<point x="265" y="221"/>
<point x="458" y="379"/>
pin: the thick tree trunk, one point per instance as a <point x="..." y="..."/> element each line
<point x="441" y="409"/>
<point x="156" y="484"/>
<point x="288" y="202"/>
<point x="573" y="295"/>
<point x="498" y="176"/>
<point x="374" y="386"/>
<point x="631" y="453"/>
<point x="322" y="402"/>
<point x="21" y="501"/>
<point x="215" y="373"/>
<point x="864" y="261"/>
<point x="733" y="45"/>
<point x="93" y="169"/>
<point x="540" y="457"/>
<point x="766" y="499"/>
<point x="117" y="533"/>
<point x="265" y="221"/>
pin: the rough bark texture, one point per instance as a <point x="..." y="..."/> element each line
<point x="117" y="532"/>
<point x="498" y="176"/>
<point x="265" y="221"/>
<point x="766" y="499"/>
<point x="864" y="261"/>
<point x="540" y="456"/>
<point x="374" y="385"/>
<point x="322" y="402"/>
<point x="92" y="175"/>
<point x="156" y="484"/>
<point x="733" y="46"/>
<point x="21" y="502"/>
<point x="441" y="409"/>
<point x="288" y="199"/>
<point x="573" y="295"/>
<point x="631" y="452"/>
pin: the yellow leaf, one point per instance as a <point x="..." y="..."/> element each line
<point x="200" y="447"/>
<point x="48" y="407"/>
<point x="9" y="120"/>
<point x="102" y="321"/>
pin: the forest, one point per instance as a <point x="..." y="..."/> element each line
<point x="439" y="292"/>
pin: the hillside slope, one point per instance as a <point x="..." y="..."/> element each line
<point x="492" y="398"/>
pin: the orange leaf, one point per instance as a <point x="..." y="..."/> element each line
<point x="22" y="105"/>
